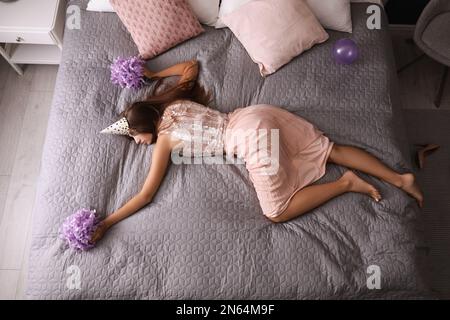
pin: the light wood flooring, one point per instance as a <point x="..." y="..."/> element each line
<point x="24" y="106"/>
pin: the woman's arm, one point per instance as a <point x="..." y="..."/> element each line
<point x="187" y="70"/>
<point x="160" y="161"/>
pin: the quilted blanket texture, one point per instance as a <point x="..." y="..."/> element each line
<point x="204" y="235"/>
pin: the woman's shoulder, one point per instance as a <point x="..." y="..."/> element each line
<point x="176" y="102"/>
<point x="174" y="107"/>
<point x="185" y="102"/>
<point x="184" y="105"/>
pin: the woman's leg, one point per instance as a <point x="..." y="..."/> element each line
<point x="359" y="159"/>
<point x="313" y="196"/>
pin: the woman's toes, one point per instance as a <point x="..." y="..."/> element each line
<point x="375" y="194"/>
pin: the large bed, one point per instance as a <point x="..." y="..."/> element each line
<point x="204" y="235"/>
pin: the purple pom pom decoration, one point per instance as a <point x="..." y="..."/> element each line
<point x="128" y="72"/>
<point x="78" y="229"/>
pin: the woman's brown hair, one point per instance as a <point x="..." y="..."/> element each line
<point x="143" y="116"/>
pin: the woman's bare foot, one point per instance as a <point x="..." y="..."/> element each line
<point x="410" y="186"/>
<point x="356" y="184"/>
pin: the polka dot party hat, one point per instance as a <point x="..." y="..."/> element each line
<point x="120" y="127"/>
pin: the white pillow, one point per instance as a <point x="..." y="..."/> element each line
<point x="100" y="5"/>
<point x="227" y="7"/>
<point x="207" y="11"/>
<point x="332" y="14"/>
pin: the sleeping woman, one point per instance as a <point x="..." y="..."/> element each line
<point x="172" y="120"/>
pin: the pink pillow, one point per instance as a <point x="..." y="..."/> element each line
<point x="274" y="32"/>
<point x="157" y="25"/>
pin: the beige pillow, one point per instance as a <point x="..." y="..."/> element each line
<point x="157" y="25"/>
<point x="332" y="14"/>
<point x="274" y="32"/>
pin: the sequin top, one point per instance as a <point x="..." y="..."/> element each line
<point x="199" y="129"/>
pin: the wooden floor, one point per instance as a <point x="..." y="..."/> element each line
<point x="427" y="124"/>
<point x="24" y="107"/>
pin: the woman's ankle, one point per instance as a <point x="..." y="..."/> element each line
<point x="345" y="183"/>
<point x="398" y="181"/>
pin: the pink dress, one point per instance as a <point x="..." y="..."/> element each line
<point x="283" y="153"/>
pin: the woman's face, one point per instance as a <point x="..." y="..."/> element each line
<point x="143" y="138"/>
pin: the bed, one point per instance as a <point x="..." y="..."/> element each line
<point x="204" y="235"/>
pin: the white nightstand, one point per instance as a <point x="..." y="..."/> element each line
<point x="31" y="31"/>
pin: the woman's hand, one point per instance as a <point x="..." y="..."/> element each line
<point x="100" y="231"/>
<point x="148" y="73"/>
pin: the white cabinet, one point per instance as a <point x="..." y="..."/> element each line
<point x="31" y="31"/>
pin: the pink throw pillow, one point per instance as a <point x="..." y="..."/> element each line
<point x="157" y="25"/>
<point x="274" y="32"/>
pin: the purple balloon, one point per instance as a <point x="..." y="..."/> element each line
<point x="345" y="51"/>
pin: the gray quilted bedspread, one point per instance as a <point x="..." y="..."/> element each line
<point x="204" y="235"/>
